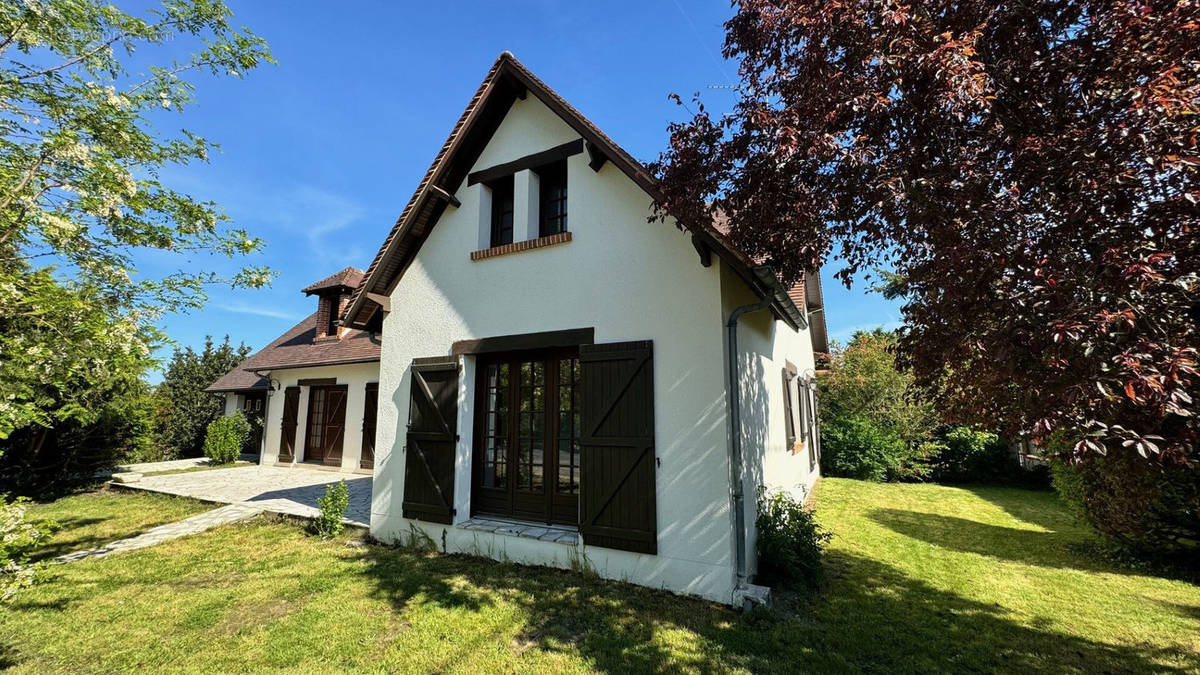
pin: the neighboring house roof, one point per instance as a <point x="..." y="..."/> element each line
<point x="507" y="81"/>
<point x="347" y="279"/>
<point x="299" y="347"/>
<point x="295" y="349"/>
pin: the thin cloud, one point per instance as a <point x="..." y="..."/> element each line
<point x="242" y="308"/>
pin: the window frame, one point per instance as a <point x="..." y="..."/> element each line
<point x="552" y="175"/>
<point x="503" y="193"/>
<point x="547" y="504"/>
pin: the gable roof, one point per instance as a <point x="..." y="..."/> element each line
<point x="506" y="81"/>
<point x="348" y="279"/>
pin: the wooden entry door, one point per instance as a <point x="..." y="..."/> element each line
<point x="326" y="424"/>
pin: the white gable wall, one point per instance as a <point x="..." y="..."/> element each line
<point x="630" y="280"/>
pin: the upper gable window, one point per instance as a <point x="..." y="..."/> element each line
<point x="552" y="185"/>
<point x="502" y="211"/>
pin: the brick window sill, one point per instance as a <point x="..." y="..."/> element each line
<point x="518" y="246"/>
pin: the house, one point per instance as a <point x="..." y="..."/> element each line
<point x="315" y="388"/>
<point x="565" y="383"/>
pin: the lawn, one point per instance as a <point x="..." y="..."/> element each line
<point x="92" y="519"/>
<point x="921" y="578"/>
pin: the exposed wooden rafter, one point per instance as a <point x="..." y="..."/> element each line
<point x="596" y="156"/>
<point x="445" y="196"/>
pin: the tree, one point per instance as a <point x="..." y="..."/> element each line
<point x="113" y="422"/>
<point x="862" y="380"/>
<point x="184" y="409"/>
<point x="1027" y="170"/>
<point x="80" y="196"/>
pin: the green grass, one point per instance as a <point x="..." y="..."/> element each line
<point x="921" y="578"/>
<point x="92" y="519"/>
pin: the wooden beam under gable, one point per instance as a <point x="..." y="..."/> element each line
<point x="527" y="162"/>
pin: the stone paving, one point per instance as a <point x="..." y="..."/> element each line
<point x="290" y="491"/>
<point x="197" y="523"/>
<point x="169" y="465"/>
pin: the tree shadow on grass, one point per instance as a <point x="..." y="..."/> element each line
<point x="868" y="616"/>
<point x="1045" y="549"/>
<point x="1043" y="508"/>
<point x="61" y="540"/>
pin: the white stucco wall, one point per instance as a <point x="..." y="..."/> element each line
<point x="355" y="376"/>
<point x="628" y="279"/>
<point x="765" y="347"/>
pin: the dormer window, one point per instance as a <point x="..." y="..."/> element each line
<point x="552" y="183"/>
<point x="502" y="211"/>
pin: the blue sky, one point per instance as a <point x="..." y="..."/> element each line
<point x="320" y="153"/>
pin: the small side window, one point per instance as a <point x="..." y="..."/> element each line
<point x="502" y="211"/>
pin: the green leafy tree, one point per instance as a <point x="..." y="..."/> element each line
<point x="1029" y="171"/>
<point x="109" y="420"/>
<point x="184" y="409"/>
<point x="863" y="381"/>
<point x="80" y="196"/>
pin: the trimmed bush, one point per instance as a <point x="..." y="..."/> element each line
<point x="225" y="438"/>
<point x="855" y="447"/>
<point x="963" y="455"/>
<point x="333" y="507"/>
<point x="790" y="542"/>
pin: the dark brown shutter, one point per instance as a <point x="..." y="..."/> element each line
<point x="617" y="462"/>
<point x="335" y="424"/>
<point x="432" y="436"/>
<point x="291" y="413"/>
<point x="788" y="419"/>
<point x="370" y="414"/>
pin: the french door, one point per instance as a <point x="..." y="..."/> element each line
<point x="527" y="436"/>
<point x="326" y="424"/>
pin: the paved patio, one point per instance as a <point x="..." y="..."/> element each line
<point x="291" y="491"/>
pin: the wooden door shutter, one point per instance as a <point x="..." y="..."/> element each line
<point x="789" y="423"/>
<point x="366" y="460"/>
<point x="291" y="414"/>
<point x="431" y="439"/>
<point x="617" y="463"/>
<point x="335" y="424"/>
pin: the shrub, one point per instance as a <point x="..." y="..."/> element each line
<point x="963" y="455"/>
<point x="44" y="461"/>
<point x="184" y="409"/>
<point x="1148" y="506"/>
<point x="790" y="542"/>
<point x="225" y="438"/>
<point x="863" y="381"/>
<point x="18" y="538"/>
<point x="856" y="447"/>
<point x="333" y="507"/>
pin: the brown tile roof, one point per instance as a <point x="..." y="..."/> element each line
<point x="507" y="80"/>
<point x="295" y="349"/>
<point x="348" y="278"/>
